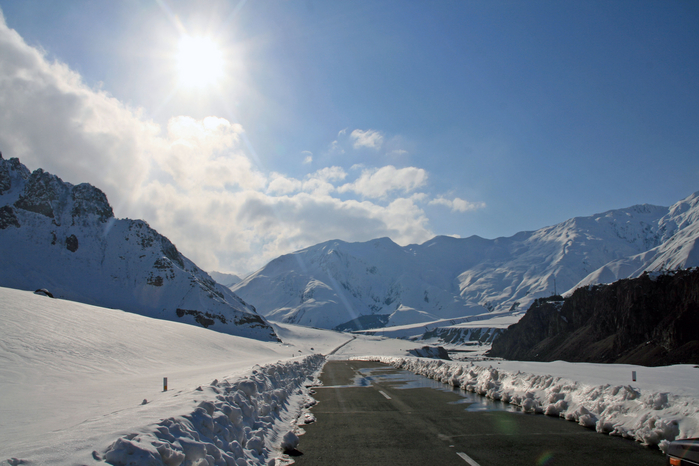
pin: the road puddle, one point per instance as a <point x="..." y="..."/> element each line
<point x="405" y="380"/>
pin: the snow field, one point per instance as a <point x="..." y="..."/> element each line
<point x="242" y="422"/>
<point x="651" y="417"/>
<point x="74" y="377"/>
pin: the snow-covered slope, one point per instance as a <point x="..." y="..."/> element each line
<point x="335" y="282"/>
<point x="225" y="279"/>
<point x="64" y="238"/>
<point x="74" y="378"/>
<point x="678" y="248"/>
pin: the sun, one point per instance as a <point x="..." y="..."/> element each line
<point x="200" y="62"/>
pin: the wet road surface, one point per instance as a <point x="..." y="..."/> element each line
<point x="372" y="414"/>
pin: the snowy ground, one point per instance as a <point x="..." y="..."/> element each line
<point x="74" y="377"/>
<point x="482" y="321"/>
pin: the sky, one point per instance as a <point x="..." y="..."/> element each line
<point x="353" y="120"/>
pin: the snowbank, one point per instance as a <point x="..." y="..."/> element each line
<point x="241" y="422"/>
<point x="650" y="417"/>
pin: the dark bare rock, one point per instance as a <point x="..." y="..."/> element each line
<point x="433" y="352"/>
<point x="8" y="217"/>
<point x="651" y="320"/>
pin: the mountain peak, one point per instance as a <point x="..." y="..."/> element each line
<point x="65" y="238"/>
<point x="334" y="283"/>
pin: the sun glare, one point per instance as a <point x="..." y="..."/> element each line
<point x="199" y="62"/>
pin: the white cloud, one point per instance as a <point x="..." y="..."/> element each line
<point x="280" y="184"/>
<point x="369" y="138"/>
<point x="319" y="182"/>
<point x="330" y="174"/>
<point x="377" y="183"/>
<point x="308" y="157"/>
<point x="290" y="223"/>
<point x="204" y="153"/>
<point x="336" y="148"/>
<point x="50" y="119"/>
<point x="191" y="180"/>
<point x="457" y="204"/>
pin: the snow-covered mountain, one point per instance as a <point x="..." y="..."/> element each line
<point x="379" y="283"/>
<point x="679" y="231"/>
<point x="225" y="279"/>
<point x="64" y="238"/>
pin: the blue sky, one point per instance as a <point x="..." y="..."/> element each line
<point x="358" y="119"/>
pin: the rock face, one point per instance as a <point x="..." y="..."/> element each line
<point x="650" y="320"/>
<point x="455" y="336"/>
<point x="65" y="239"/>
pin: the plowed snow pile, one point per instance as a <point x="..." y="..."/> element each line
<point x="643" y="413"/>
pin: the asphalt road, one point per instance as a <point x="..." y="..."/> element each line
<point x="382" y="424"/>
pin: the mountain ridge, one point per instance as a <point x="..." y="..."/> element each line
<point x="65" y="238"/>
<point x="334" y="283"/>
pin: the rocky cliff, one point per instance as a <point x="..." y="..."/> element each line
<point x="65" y="238"/>
<point x="649" y="320"/>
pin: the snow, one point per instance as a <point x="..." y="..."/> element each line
<point x="662" y="406"/>
<point x="449" y="278"/>
<point x="238" y="423"/>
<point x="64" y="238"/>
<point x="485" y="321"/>
<point x="82" y="384"/>
<point x="73" y="377"/>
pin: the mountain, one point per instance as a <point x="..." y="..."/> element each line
<point x="379" y="283"/>
<point x="225" y="279"/>
<point x="649" y="320"/>
<point x="64" y="238"/>
<point x="678" y="231"/>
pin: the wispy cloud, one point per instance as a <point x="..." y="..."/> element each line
<point x="457" y="204"/>
<point x="370" y="138"/>
<point x="336" y="148"/>
<point x="308" y="157"/>
<point x="377" y="183"/>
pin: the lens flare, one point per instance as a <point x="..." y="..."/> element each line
<point x="545" y="459"/>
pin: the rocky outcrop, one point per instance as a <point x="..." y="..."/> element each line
<point x="89" y="200"/>
<point x="11" y="171"/>
<point x="650" y="320"/>
<point x="432" y="352"/>
<point x="460" y="335"/>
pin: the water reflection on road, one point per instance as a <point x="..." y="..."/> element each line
<point x="402" y="379"/>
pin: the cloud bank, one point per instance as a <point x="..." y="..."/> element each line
<point x="192" y="180"/>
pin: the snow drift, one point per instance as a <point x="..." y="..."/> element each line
<point x="240" y="422"/>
